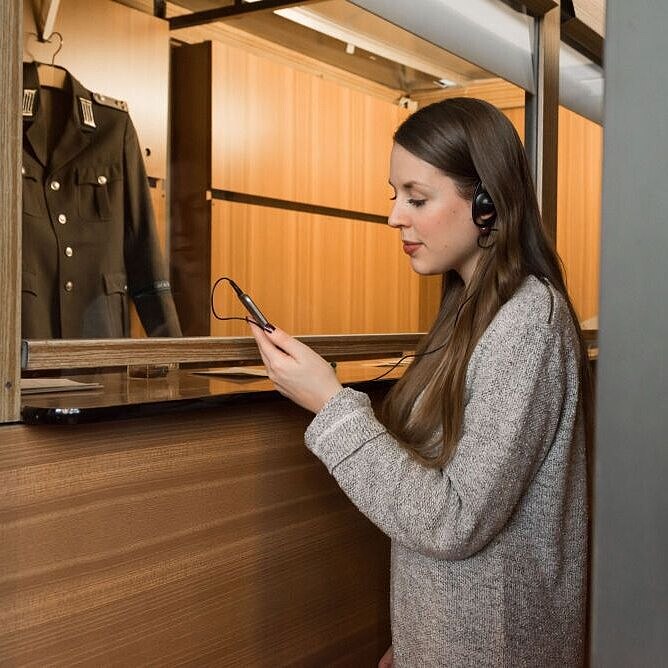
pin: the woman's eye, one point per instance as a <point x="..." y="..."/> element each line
<point x="416" y="202"/>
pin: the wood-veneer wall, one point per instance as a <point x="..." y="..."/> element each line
<point x="312" y="274"/>
<point x="271" y="130"/>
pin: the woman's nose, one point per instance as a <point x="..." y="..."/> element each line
<point x="395" y="219"/>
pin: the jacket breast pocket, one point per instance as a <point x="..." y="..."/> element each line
<point x="95" y="190"/>
<point x="33" y="194"/>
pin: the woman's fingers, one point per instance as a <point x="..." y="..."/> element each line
<point x="268" y="350"/>
<point x="297" y="372"/>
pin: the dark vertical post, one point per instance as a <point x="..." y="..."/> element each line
<point x="542" y="116"/>
<point x="11" y="18"/>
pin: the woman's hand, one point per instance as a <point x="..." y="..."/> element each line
<point x="298" y="372"/>
<point x="387" y="660"/>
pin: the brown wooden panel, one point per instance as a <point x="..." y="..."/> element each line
<point x="281" y="132"/>
<point x="579" y="208"/>
<point x="592" y="14"/>
<point x="500" y="93"/>
<point x="87" y="353"/>
<point x="190" y="212"/>
<point x="311" y="274"/>
<point x="10" y="209"/>
<point x="120" y="52"/>
<point x="207" y="538"/>
<point x="516" y="116"/>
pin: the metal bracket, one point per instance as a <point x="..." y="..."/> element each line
<point x="239" y="8"/>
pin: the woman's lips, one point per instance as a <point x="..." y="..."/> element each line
<point x="410" y="248"/>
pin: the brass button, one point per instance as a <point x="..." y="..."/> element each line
<point x="23" y="170"/>
<point x="101" y="180"/>
<point x="62" y="218"/>
<point x="69" y="252"/>
<point x="68" y="286"/>
<point x="55" y="185"/>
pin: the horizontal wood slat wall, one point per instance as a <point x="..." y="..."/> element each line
<point x="311" y="274"/>
<point x="207" y="538"/>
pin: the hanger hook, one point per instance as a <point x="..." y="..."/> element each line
<point x="48" y="41"/>
<point x="60" y="45"/>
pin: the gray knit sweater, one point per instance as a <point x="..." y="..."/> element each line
<point x="488" y="554"/>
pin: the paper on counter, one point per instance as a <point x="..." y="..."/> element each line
<point x="259" y="372"/>
<point x="40" y="385"/>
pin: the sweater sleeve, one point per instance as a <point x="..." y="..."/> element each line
<point x="513" y="406"/>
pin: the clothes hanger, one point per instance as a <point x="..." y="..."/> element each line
<point x="50" y="74"/>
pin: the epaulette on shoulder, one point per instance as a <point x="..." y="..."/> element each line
<point x="107" y="101"/>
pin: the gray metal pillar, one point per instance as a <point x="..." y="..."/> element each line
<point x="630" y="542"/>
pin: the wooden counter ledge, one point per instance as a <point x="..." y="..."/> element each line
<point x="117" y="395"/>
<point x="86" y="353"/>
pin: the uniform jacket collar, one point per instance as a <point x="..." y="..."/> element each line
<point x="76" y="135"/>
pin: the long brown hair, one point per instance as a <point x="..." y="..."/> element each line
<point x="470" y="140"/>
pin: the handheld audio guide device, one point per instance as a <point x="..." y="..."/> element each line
<point x="251" y="307"/>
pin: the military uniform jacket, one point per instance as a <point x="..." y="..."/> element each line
<point x="89" y="236"/>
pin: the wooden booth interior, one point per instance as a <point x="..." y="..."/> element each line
<point x="253" y="122"/>
<point x="209" y="536"/>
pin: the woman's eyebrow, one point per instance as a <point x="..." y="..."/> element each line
<point x="409" y="184"/>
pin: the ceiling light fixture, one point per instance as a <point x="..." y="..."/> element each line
<point x="315" y="21"/>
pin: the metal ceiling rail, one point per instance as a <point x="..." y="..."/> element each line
<point x="239" y="8"/>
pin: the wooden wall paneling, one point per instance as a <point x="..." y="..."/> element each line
<point x="281" y="132"/>
<point x="311" y="274"/>
<point x="516" y="117"/>
<point x="500" y="93"/>
<point x="10" y="209"/>
<point x="277" y="131"/>
<point x="431" y="291"/>
<point x="206" y="538"/>
<point x="592" y="13"/>
<point x="120" y="52"/>
<point x="579" y="208"/>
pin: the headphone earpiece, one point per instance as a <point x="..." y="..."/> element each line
<point x="482" y="205"/>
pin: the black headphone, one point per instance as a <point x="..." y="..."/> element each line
<point x="482" y="205"/>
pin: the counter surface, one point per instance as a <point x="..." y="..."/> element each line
<point x="118" y="394"/>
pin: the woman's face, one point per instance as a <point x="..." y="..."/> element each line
<point x="435" y="222"/>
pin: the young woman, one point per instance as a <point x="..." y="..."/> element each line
<point x="476" y="470"/>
